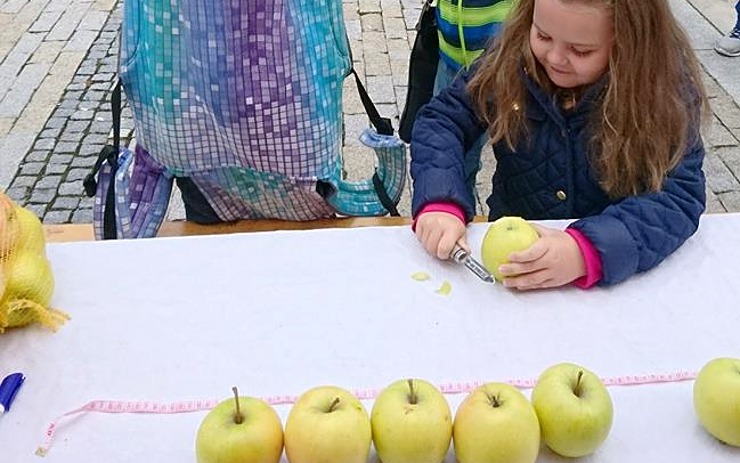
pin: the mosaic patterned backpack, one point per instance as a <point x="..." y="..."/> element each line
<point x="244" y="99"/>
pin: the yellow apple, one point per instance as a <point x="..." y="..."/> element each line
<point x="496" y="424"/>
<point x="327" y="424"/>
<point x="504" y="236"/>
<point x="574" y="409"/>
<point x="717" y="399"/>
<point x="240" y="430"/>
<point x="411" y="423"/>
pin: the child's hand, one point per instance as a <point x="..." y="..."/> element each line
<point x="439" y="232"/>
<point x="553" y="260"/>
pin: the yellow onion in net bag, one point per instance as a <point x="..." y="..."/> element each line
<point x="7" y="229"/>
<point x="26" y="232"/>
<point x="29" y="285"/>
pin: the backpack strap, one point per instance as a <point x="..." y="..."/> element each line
<point x="108" y="154"/>
<point x="383" y="126"/>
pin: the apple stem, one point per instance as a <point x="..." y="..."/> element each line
<point x="413" y="399"/>
<point x="238" y="418"/>
<point x="577" y="389"/>
<point x="333" y="405"/>
<point x="495" y="401"/>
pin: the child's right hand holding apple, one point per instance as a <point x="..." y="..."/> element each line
<point x="555" y="259"/>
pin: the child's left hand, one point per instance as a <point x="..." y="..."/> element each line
<point x="553" y="260"/>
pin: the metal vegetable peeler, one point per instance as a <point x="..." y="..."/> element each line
<point x="460" y="256"/>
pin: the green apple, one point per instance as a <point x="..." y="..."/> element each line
<point x="496" y="424"/>
<point x="240" y="430"/>
<point x="574" y="409"/>
<point x="504" y="236"/>
<point x="327" y="424"/>
<point x="717" y="399"/>
<point x="411" y="423"/>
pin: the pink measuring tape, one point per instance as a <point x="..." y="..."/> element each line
<point x="145" y="407"/>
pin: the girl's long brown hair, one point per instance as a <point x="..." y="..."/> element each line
<point x="648" y="113"/>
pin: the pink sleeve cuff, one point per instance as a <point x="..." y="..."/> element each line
<point x="450" y="208"/>
<point x="591" y="257"/>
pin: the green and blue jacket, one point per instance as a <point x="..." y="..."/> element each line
<point x="464" y="28"/>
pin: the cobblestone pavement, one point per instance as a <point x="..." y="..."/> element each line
<point x="58" y="61"/>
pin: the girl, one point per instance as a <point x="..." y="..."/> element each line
<point x="593" y="108"/>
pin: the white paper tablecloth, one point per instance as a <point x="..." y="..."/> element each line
<point x="277" y="313"/>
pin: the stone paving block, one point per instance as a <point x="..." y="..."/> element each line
<point x="32" y="168"/>
<point x="351" y="102"/>
<point x="398" y="49"/>
<point x="727" y="111"/>
<point x="80" y="40"/>
<point x="39" y="196"/>
<point x="714" y="205"/>
<point x="106" y="5"/>
<point x="57" y="216"/>
<point x="351" y="12"/>
<point x="49" y="181"/>
<point x="380" y="89"/>
<point x="93" y="21"/>
<point x="67" y="24"/>
<point x="19" y="195"/>
<point x="58" y="5"/>
<point x="82" y="216"/>
<point x="38" y="156"/>
<point x="399" y="71"/>
<point x="18" y="57"/>
<point x="395" y="28"/>
<point x="358" y="162"/>
<point x="68" y="203"/>
<point x="84" y="161"/>
<point x="371" y="22"/>
<point x="719" y="177"/>
<point x="66" y="147"/>
<point x="731" y="157"/>
<point x="45" y="21"/>
<point x="354" y="124"/>
<point x="71" y="188"/>
<point x="393" y="11"/>
<point x="5" y="124"/>
<point x="22" y="89"/>
<point x="354" y="30"/>
<point x="387" y="110"/>
<point x="77" y="174"/>
<point x="23" y="181"/>
<point x="369" y="6"/>
<point x="730" y="200"/>
<point x="377" y="64"/>
<point x="374" y="41"/>
<point x="56" y="169"/>
<point x="47" y="52"/>
<point x="61" y="159"/>
<point x="13" y="148"/>
<point x="11" y="6"/>
<point x="718" y="135"/>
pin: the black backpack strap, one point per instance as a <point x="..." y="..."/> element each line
<point x="383" y="126"/>
<point x="108" y="154"/>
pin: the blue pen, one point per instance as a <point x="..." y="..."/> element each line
<point x="8" y="389"/>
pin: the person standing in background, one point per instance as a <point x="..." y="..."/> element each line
<point x="464" y="29"/>
<point x="729" y="45"/>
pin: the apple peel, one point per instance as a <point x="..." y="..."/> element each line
<point x="445" y="289"/>
<point x="420" y="276"/>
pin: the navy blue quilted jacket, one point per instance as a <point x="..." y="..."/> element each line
<point x="548" y="177"/>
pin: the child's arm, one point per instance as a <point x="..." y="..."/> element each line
<point x="444" y="130"/>
<point x="639" y="232"/>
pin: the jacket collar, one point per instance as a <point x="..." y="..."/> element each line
<point x="542" y="103"/>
